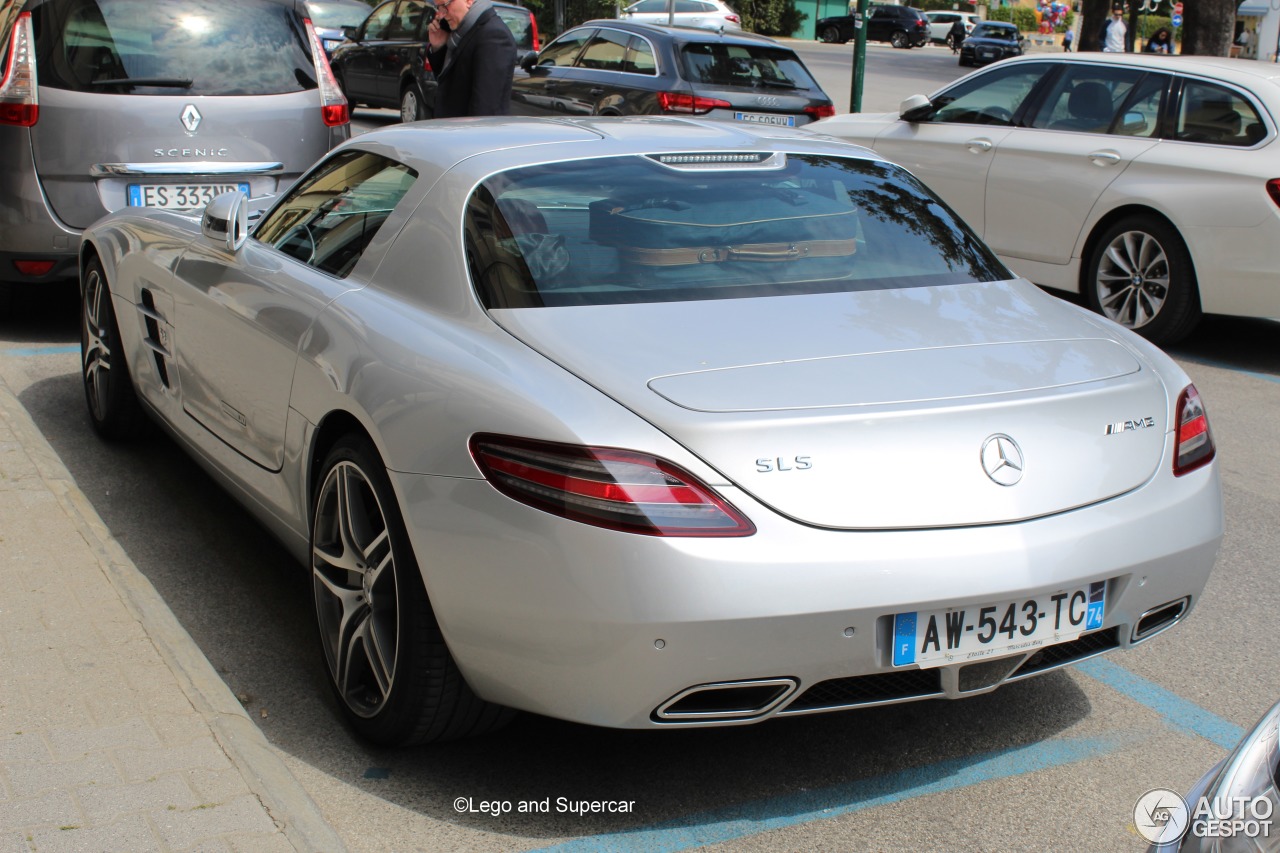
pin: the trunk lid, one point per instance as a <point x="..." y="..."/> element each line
<point x="884" y="409"/>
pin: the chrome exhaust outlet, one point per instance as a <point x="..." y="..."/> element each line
<point x="1159" y="618"/>
<point x="725" y="700"/>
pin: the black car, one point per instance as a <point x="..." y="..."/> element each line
<point x="630" y="68"/>
<point x="901" y="26"/>
<point x="991" y="41"/>
<point x="383" y="62"/>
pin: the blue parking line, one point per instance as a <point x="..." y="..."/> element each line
<point x="746" y="819"/>
<point x="1179" y="714"/>
<point x="49" y="350"/>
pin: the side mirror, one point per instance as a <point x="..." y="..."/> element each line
<point x="1133" y="124"/>
<point x="226" y="220"/>
<point x="351" y="33"/>
<point x="529" y="61"/>
<point x="915" y="108"/>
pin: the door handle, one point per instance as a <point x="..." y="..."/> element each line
<point x="1104" y="158"/>
<point x="597" y="91"/>
<point x="978" y="146"/>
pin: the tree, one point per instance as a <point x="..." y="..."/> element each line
<point x="1209" y="27"/>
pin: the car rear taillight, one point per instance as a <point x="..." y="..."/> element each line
<point x="824" y="111"/>
<point x="1193" y="437"/>
<point x="426" y="65"/>
<point x="333" y="104"/>
<point x="679" y="102"/>
<point x="1273" y="190"/>
<point x="606" y="487"/>
<point x="18" y="102"/>
<point x="733" y="18"/>
<point x="533" y="28"/>
<point x="33" y="268"/>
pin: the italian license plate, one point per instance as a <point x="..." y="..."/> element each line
<point x="961" y="634"/>
<point x="765" y="118"/>
<point x="179" y="196"/>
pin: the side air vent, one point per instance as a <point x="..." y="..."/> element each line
<point x="157" y="336"/>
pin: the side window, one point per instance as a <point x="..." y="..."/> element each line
<point x="650" y="6"/>
<point x="378" y="24"/>
<point x="1140" y="115"/>
<point x="1086" y="98"/>
<point x="640" y="57"/>
<point x="606" y="52"/>
<point x="328" y="219"/>
<point x="409" y="15"/>
<point x="1216" y="114"/>
<point x="565" y="49"/>
<point x="990" y="98"/>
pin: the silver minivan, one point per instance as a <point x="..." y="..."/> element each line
<point x="160" y="103"/>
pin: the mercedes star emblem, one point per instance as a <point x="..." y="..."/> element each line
<point x="1002" y="459"/>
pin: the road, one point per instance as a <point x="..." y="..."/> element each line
<point x="1056" y="762"/>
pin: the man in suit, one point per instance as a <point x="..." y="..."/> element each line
<point x="473" y="53"/>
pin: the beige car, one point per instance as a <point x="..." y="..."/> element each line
<point x="1145" y="183"/>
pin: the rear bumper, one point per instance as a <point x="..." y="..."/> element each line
<point x="29" y="230"/>
<point x="606" y="628"/>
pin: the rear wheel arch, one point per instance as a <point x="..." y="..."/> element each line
<point x="332" y="428"/>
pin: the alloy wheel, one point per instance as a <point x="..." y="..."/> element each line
<point x="96" y="343"/>
<point x="1133" y="279"/>
<point x="356" y="595"/>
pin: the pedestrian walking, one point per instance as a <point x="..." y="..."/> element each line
<point x="473" y="53"/>
<point x="1067" y="38"/>
<point x="1115" y="36"/>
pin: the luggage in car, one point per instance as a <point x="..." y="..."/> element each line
<point x="777" y="225"/>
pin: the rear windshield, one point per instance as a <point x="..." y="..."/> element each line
<point x="631" y="229"/>
<point x="520" y="24"/>
<point x="751" y="66"/>
<point x="335" y="16"/>
<point x="172" y="47"/>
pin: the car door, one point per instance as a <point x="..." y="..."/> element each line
<point x="358" y="62"/>
<point x="540" y="93"/>
<point x="952" y="147"/>
<point x="1093" y="121"/>
<point x="597" y="78"/>
<point x="242" y="316"/>
<point x="399" y="49"/>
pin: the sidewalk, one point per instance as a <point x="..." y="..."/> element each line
<point x="116" y="734"/>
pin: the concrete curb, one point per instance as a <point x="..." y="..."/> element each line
<point x="284" y="798"/>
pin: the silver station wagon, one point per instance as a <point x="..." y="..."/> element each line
<point x="108" y="104"/>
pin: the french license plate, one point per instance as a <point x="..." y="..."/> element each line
<point x="765" y="118"/>
<point x="179" y="196"/>
<point x="961" y="634"/>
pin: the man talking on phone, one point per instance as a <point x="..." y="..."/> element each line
<point x="473" y="54"/>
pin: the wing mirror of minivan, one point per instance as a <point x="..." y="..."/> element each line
<point x="915" y="108"/>
<point x="529" y="61"/>
<point x="226" y="220"/>
<point x="351" y="33"/>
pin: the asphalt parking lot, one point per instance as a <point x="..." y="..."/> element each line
<point x="1051" y="763"/>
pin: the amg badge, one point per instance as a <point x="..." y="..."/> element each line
<point x="1125" y="426"/>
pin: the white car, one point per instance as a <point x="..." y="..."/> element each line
<point x="708" y="14"/>
<point x="1146" y="183"/>
<point x="940" y="24"/>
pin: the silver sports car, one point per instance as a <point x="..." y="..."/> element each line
<point x="654" y="423"/>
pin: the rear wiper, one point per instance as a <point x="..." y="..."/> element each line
<point x="160" y="82"/>
<point x="777" y="84"/>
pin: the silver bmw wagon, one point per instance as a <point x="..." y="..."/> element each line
<point x="106" y="104"/>
<point x="654" y="422"/>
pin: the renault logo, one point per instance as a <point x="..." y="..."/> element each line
<point x="1002" y="459"/>
<point x="190" y="118"/>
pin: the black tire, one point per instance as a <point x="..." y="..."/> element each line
<point x="831" y="35"/>
<point x="900" y="40"/>
<point x="383" y="649"/>
<point x="114" y="410"/>
<point x="411" y="106"/>
<point x="1140" y="274"/>
<point x="964" y="63"/>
